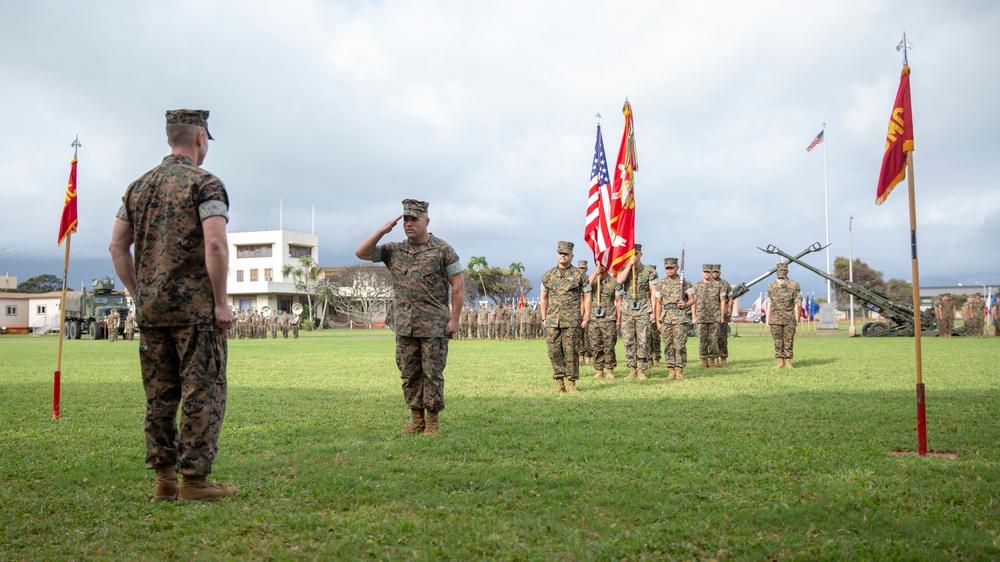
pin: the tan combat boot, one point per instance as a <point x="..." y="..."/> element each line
<point x="788" y="362"/>
<point x="631" y="373"/>
<point x="781" y="363"/>
<point x="417" y="424"/>
<point x="642" y="375"/>
<point x="165" y="489"/>
<point x="599" y="375"/>
<point x="671" y="373"/>
<point x="199" y="488"/>
<point x="680" y="373"/>
<point x="431" y="427"/>
<point x="611" y="373"/>
<point x="570" y="386"/>
<point x="704" y="364"/>
<point x="656" y="362"/>
<point x="722" y="361"/>
<point x="560" y="385"/>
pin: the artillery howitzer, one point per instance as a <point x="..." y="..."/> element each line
<point x="742" y="288"/>
<point x="900" y="316"/>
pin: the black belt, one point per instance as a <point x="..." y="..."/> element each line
<point x="636" y="305"/>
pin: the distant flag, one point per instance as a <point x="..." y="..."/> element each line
<point x="520" y="302"/>
<point x="623" y="197"/>
<point x="816" y="141"/>
<point x="898" y="140"/>
<point x="757" y="306"/>
<point x="597" y="232"/>
<point x="68" y="222"/>
<point x="814" y="307"/>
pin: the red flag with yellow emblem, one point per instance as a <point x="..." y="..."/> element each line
<point x="623" y="197"/>
<point x="69" y="218"/>
<point x="898" y="140"/>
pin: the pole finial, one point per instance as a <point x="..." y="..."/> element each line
<point x="76" y="145"/>
<point x="905" y="46"/>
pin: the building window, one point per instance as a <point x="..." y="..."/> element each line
<point x="254" y="251"/>
<point x="253" y="275"/>
<point x="11" y="310"/>
<point x="239" y="275"/>
<point x="268" y="274"/>
<point x="284" y="305"/>
<point x="299" y="251"/>
<point x="40" y="309"/>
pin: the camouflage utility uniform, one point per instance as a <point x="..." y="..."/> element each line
<point x="708" y="315"/>
<point x="673" y="321"/>
<point x="782" y="316"/>
<point x="635" y="309"/>
<point x="565" y="288"/>
<point x="603" y="326"/>
<point x="945" y="312"/>
<point x="726" y="290"/>
<point x="181" y="351"/>
<point x="420" y="314"/>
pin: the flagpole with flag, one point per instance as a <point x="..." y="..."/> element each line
<point x="67" y="226"/>
<point x="897" y="163"/>
<point x="820" y="138"/>
<point x="623" y="197"/>
<point x="597" y="231"/>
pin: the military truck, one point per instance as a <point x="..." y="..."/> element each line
<point x="87" y="312"/>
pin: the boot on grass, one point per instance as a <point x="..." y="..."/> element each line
<point x="631" y="373"/>
<point x="781" y="363"/>
<point x="679" y="371"/>
<point x="560" y="385"/>
<point x="788" y="362"/>
<point x="417" y="424"/>
<point x="199" y="488"/>
<point x="600" y="374"/>
<point x="704" y="364"/>
<point x="432" y="427"/>
<point x="642" y="375"/>
<point x="570" y="386"/>
<point x="611" y="374"/>
<point x="165" y="489"/>
<point x="671" y="373"/>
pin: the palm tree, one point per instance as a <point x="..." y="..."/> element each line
<point x="306" y="277"/>
<point x="478" y="263"/>
<point x="517" y="268"/>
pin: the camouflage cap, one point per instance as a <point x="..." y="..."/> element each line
<point x="782" y="269"/>
<point x="582" y="263"/>
<point x="945" y="294"/>
<point x="669" y="262"/>
<point x="638" y="248"/>
<point x="414" y="208"/>
<point x="198" y="117"/>
<point x="565" y="247"/>
<point x="717" y="267"/>
<point x="706" y="267"/>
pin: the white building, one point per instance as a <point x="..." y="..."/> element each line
<point x="255" y="262"/>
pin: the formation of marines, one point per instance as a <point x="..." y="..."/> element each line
<point x="504" y="322"/>
<point x="253" y="324"/>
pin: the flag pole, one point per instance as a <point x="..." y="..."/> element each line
<point x="826" y="207"/>
<point x="57" y="375"/>
<point x="917" y="324"/>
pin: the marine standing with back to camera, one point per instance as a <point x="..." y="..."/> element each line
<point x="782" y="315"/>
<point x="423" y="268"/>
<point x="176" y="217"/>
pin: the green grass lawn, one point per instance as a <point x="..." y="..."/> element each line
<point x="745" y="462"/>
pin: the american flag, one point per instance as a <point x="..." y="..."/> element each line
<point x="597" y="232"/>
<point x="816" y="141"/>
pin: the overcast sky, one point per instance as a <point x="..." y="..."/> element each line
<point x="487" y="110"/>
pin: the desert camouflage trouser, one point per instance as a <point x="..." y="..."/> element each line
<point x="784" y="340"/>
<point x="724" y="340"/>
<point x="585" y="344"/>
<point x="603" y="337"/>
<point x="675" y="339"/>
<point x="421" y="363"/>
<point x="635" y="333"/>
<point x="562" y="345"/>
<point x="183" y="366"/>
<point x="708" y="340"/>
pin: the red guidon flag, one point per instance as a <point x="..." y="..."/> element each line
<point x="898" y="141"/>
<point x="623" y="197"/>
<point x="69" y="219"/>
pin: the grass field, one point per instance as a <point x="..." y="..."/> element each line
<point x="745" y="462"/>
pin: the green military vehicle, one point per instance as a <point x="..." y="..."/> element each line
<point x="87" y="312"/>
